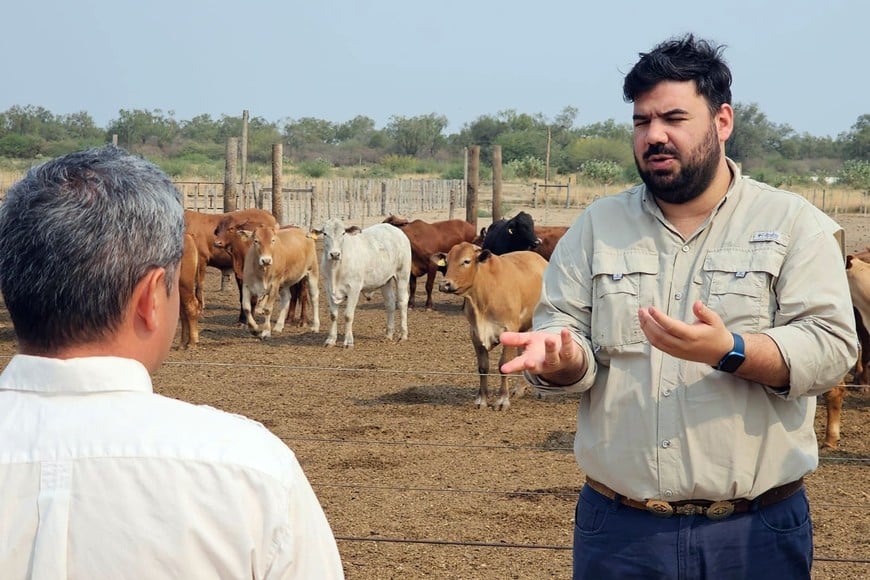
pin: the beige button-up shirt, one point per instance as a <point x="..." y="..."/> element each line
<point x="102" y="478"/>
<point x="654" y="426"/>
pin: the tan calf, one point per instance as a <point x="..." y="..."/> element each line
<point x="227" y="236"/>
<point x="202" y="227"/>
<point x="500" y="293"/>
<point x="276" y="260"/>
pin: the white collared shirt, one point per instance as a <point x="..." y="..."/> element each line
<point x="102" y="478"/>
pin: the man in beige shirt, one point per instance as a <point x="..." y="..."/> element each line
<point x="699" y="315"/>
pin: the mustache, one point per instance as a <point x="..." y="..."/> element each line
<point x="659" y="149"/>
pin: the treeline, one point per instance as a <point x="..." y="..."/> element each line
<point x="532" y="145"/>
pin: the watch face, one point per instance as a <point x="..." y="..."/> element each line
<point x="731" y="362"/>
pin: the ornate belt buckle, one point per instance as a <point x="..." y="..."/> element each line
<point x="660" y="508"/>
<point x="720" y="510"/>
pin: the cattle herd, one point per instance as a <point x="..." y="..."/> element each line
<point x="497" y="272"/>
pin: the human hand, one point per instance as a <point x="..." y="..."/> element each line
<point x="556" y="357"/>
<point x="706" y="340"/>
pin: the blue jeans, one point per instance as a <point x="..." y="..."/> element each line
<point x="612" y="540"/>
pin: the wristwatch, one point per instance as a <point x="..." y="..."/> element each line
<point x="732" y="361"/>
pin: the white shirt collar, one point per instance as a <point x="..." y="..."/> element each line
<point x="76" y="375"/>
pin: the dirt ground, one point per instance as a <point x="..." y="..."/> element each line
<point x="415" y="481"/>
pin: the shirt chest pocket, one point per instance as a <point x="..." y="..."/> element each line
<point x="621" y="283"/>
<point x="737" y="284"/>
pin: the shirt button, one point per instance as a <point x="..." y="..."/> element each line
<point x="666" y="392"/>
<point x="666" y="443"/>
<point x="685" y="248"/>
<point x="678" y="295"/>
<point x="669" y="493"/>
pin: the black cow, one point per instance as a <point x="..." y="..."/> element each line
<point x="511" y="235"/>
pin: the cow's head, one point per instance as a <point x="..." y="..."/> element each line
<point x="522" y="228"/>
<point x="396" y="220"/>
<point x="263" y="241"/>
<point x="333" y="233"/>
<point x="460" y="267"/>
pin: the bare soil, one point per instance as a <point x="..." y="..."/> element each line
<point x="418" y="483"/>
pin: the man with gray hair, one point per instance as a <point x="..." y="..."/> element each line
<point x="99" y="476"/>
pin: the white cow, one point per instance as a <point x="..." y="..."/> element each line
<point x="356" y="261"/>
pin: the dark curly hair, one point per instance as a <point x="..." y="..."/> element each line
<point x="682" y="59"/>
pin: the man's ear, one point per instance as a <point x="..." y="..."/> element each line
<point x="148" y="295"/>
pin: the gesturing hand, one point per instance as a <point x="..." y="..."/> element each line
<point x="706" y="340"/>
<point x="556" y="357"/>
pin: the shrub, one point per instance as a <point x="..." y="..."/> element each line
<point x="315" y="169"/>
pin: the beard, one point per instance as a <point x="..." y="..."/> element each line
<point x="696" y="173"/>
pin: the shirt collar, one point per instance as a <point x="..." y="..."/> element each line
<point x="76" y="375"/>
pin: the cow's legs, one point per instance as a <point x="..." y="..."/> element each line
<point x="402" y="292"/>
<point x="271" y="300"/>
<point x="483" y="372"/>
<point x="389" y="292"/>
<point x="349" y="312"/>
<point x="247" y="295"/>
<point x="412" y="284"/>
<point x="834" y="404"/>
<point x="313" y="298"/>
<point x="431" y="274"/>
<point x="503" y="402"/>
<point x="333" y="321"/>
<point x="283" y="307"/>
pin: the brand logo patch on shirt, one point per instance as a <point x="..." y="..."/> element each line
<point x="617" y="277"/>
<point x="764" y="236"/>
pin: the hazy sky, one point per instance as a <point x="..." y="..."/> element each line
<point x="804" y="62"/>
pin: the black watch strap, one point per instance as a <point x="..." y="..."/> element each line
<point x="732" y="361"/>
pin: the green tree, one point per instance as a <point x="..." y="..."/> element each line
<point x="141" y="126"/>
<point x="417" y="136"/>
<point x="857" y="141"/>
<point x="583" y="150"/>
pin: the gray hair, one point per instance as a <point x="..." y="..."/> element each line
<point x="76" y="235"/>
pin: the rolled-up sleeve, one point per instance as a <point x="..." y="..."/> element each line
<point x="814" y="326"/>
<point x="566" y="303"/>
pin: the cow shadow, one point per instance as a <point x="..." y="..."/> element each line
<point x="442" y="395"/>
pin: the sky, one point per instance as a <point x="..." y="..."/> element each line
<point x="803" y="62"/>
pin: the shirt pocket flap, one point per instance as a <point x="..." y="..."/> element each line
<point x="743" y="272"/>
<point x="618" y="273"/>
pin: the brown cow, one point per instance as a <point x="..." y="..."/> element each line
<point x="202" y="226"/>
<point x="549" y="236"/>
<point x="189" y="305"/>
<point x="500" y="293"/>
<point x="427" y="239"/>
<point x="858" y="275"/>
<point x="227" y="236"/>
<point x="276" y="260"/>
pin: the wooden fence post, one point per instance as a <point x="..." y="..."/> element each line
<point x="496" y="183"/>
<point x="244" y="154"/>
<point x="278" y="182"/>
<point x="230" y="174"/>
<point x="473" y="185"/>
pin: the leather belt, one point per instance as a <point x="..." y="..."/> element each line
<point x="715" y="510"/>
